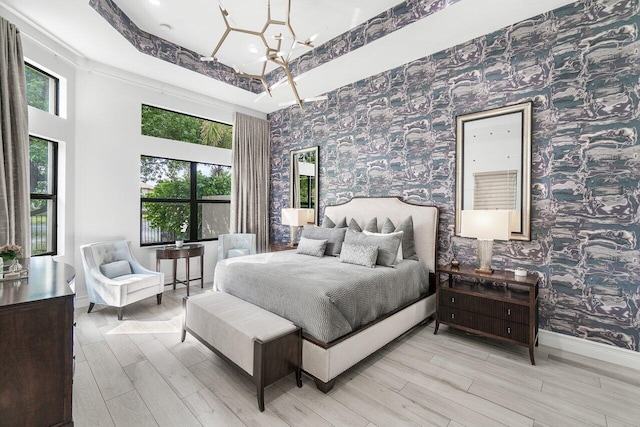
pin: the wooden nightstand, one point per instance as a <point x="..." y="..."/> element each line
<point x="501" y="305"/>
<point x="281" y="246"/>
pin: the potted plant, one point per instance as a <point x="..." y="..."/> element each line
<point x="10" y="253"/>
<point x="181" y="234"/>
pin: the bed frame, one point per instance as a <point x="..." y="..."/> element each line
<point x="324" y="362"/>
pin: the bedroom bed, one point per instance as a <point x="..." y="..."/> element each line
<point x="347" y="311"/>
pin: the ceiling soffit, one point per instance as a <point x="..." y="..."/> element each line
<point x="381" y="25"/>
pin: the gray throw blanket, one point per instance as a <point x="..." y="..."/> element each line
<point x="325" y="297"/>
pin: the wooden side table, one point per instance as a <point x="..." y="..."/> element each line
<point x="174" y="253"/>
<point x="501" y="305"/>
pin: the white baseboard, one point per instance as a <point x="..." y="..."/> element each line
<point x="82" y="301"/>
<point x="595" y="350"/>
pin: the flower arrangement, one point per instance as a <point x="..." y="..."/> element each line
<point x="9" y="252"/>
<point x="183" y="230"/>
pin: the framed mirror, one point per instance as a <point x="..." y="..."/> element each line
<point x="303" y="173"/>
<point x="493" y="164"/>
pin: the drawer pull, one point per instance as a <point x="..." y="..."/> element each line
<point x="453" y="299"/>
<point x="509" y="311"/>
<point x="508" y="330"/>
<point x="453" y="316"/>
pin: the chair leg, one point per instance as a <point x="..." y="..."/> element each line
<point x="120" y="313"/>
<point x="91" y="305"/>
<point x="159" y="298"/>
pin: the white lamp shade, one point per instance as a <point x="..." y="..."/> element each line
<point x="486" y="224"/>
<point x="294" y="217"/>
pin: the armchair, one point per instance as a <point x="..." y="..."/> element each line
<point x="114" y="277"/>
<point x="233" y="245"/>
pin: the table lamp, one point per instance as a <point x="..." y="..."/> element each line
<point x="486" y="226"/>
<point x="294" y="218"/>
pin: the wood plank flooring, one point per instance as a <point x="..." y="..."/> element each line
<point x="137" y="373"/>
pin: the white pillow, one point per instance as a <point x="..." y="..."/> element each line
<point x="399" y="255"/>
<point x="115" y="269"/>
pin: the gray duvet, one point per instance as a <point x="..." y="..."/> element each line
<point x="325" y="297"/>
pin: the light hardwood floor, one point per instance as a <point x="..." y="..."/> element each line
<point x="137" y="373"/>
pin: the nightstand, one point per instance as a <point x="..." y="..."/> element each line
<point x="281" y="246"/>
<point x="502" y="305"/>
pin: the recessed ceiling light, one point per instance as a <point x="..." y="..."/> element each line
<point x="166" y="27"/>
<point x="155" y="2"/>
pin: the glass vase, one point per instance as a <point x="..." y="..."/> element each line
<point x="15" y="266"/>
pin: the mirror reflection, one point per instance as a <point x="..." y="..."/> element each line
<point x="493" y="164"/>
<point x="304" y="179"/>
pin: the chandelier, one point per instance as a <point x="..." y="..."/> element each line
<point x="274" y="51"/>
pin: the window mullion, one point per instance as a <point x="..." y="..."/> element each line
<point x="193" y="211"/>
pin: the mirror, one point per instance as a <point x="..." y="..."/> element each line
<point x="303" y="173"/>
<point x="493" y="164"/>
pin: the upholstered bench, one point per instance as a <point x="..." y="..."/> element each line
<point x="262" y="344"/>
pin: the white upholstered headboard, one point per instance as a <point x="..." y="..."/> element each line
<point x="425" y="220"/>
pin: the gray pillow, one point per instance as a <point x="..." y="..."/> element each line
<point x="327" y="223"/>
<point x="353" y="225"/>
<point x="334" y="237"/>
<point x="372" y="225"/>
<point x="408" y="241"/>
<point x="387" y="245"/>
<point x="311" y="247"/>
<point x="115" y="269"/>
<point x="359" y="255"/>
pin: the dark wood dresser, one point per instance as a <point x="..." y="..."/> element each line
<point x="501" y="305"/>
<point x="36" y="346"/>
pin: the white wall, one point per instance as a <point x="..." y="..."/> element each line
<point x="100" y="145"/>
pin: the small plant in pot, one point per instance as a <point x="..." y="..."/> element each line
<point x="181" y="234"/>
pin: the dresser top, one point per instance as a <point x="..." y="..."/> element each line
<point x="47" y="279"/>
<point x="500" y="276"/>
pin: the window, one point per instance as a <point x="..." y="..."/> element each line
<point x="495" y="190"/>
<point x="43" y="155"/>
<point x="42" y="89"/>
<point x="183" y="127"/>
<point x="181" y="197"/>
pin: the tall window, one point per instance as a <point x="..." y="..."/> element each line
<point x="43" y="156"/>
<point x="167" y="124"/>
<point x="182" y="199"/>
<point x="42" y="89"/>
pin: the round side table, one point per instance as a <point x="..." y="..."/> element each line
<point x="174" y="253"/>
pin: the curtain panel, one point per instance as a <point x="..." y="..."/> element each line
<point x="250" y="175"/>
<point x="14" y="142"/>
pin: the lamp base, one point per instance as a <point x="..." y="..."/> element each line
<point x="488" y="271"/>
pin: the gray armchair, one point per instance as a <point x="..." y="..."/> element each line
<point x="114" y="277"/>
<point x="233" y="245"/>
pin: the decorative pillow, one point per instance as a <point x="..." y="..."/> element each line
<point x="387" y="245"/>
<point x="311" y="247"/>
<point x="399" y="255"/>
<point x="334" y="237"/>
<point x="232" y="253"/>
<point x="353" y="225"/>
<point x="115" y="269"/>
<point x="359" y="255"/>
<point x="327" y="223"/>
<point x="408" y="241"/>
<point x="372" y="226"/>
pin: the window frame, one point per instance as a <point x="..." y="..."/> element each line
<point x="56" y="88"/>
<point x="193" y="202"/>
<point x="49" y="196"/>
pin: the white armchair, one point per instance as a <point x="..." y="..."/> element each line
<point x="114" y="277"/>
<point x="233" y="245"/>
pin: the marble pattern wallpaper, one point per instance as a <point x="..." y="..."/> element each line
<point x="393" y="134"/>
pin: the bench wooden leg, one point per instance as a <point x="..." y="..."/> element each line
<point x="324" y="387"/>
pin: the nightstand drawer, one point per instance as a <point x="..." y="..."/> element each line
<point x="504" y="310"/>
<point x="458" y="317"/>
<point x="456" y="300"/>
<point x="502" y="328"/>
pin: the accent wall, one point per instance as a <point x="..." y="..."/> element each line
<point x="393" y="134"/>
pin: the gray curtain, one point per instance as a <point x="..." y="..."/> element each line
<point x="14" y="141"/>
<point x="250" y="173"/>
